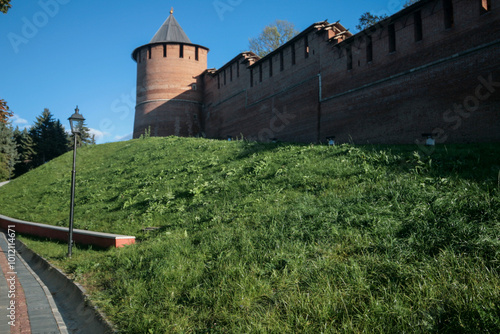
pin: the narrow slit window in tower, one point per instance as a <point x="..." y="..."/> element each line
<point x="181" y="51"/>
<point x="225" y="82"/>
<point x="164" y="50"/>
<point x="218" y="81"/>
<point x="392" y="38"/>
<point x="149" y="52"/>
<point x="369" y="49"/>
<point x="237" y="69"/>
<point x="270" y="66"/>
<point x="449" y="19"/>
<point x="293" y="53"/>
<point x="197" y="53"/>
<point x="251" y="77"/>
<point x="231" y="72"/>
<point x="260" y="72"/>
<point x="485" y="6"/>
<point x="417" y="16"/>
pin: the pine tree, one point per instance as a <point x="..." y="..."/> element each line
<point x="49" y="138"/>
<point x="26" y="150"/>
<point x="8" y="152"/>
<point x="84" y="138"/>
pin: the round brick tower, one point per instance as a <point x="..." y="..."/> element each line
<point x="169" y="83"/>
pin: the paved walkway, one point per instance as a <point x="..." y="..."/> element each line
<point x="4" y="183"/>
<point x="32" y="308"/>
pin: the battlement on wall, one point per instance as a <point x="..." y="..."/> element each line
<point x="401" y="36"/>
<point x="430" y="38"/>
<point x="248" y="70"/>
<point x="414" y="37"/>
<point x="170" y="50"/>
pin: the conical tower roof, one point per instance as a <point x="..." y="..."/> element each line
<point x="170" y="31"/>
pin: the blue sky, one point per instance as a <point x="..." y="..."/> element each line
<point x="57" y="54"/>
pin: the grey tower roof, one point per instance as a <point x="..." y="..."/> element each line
<point x="170" y="31"/>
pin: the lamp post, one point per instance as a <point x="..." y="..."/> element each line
<point x="76" y="122"/>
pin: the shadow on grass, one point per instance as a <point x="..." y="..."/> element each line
<point x="480" y="162"/>
<point x="250" y="148"/>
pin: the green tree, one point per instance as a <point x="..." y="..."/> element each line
<point x="8" y="152"/>
<point x="49" y="138"/>
<point x="26" y="150"/>
<point x="5" y="112"/>
<point x="85" y="138"/>
<point x="368" y="19"/>
<point x="272" y="37"/>
<point x="5" y="6"/>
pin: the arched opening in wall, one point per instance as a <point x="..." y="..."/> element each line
<point x="449" y="18"/>
<point x="417" y="17"/>
<point x="485" y="6"/>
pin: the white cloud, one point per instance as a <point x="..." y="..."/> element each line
<point x="123" y="138"/>
<point x="98" y="134"/>
<point x="18" y="121"/>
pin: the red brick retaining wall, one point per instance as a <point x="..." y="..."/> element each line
<point x="103" y="240"/>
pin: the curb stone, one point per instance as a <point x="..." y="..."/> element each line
<point x="68" y="295"/>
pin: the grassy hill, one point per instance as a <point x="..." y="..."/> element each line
<point x="279" y="238"/>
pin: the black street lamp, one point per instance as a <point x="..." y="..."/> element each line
<point x="76" y="122"/>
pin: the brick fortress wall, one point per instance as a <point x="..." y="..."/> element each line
<point x="431" y="68"/>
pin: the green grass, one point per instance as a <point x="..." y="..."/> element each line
<point x="279" y="238"/>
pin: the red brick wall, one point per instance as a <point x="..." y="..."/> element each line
<point x="441" y="84"/>
<point x="283" y="106"/>
<point x="399" y="110"/>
